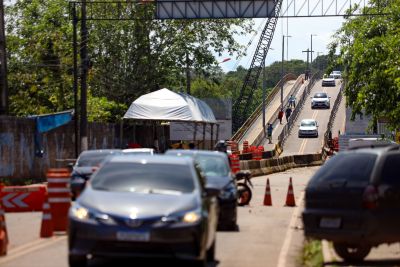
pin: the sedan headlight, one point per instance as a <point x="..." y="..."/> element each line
<point x="191" y="217"/>
<point x="84" y="214"/>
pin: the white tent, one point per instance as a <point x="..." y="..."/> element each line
<point x="165" y="105"/>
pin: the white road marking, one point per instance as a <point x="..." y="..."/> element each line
<point x="289" y="234"/>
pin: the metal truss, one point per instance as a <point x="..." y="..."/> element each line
<point x="222" y="9"/>
<point x="244" y="101"/>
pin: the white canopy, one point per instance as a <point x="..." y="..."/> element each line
<point x="165" y="105"/>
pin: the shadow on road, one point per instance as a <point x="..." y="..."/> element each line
<point x="143" y="263"/>
<point x="369" y="263"/>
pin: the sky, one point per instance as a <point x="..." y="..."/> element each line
<point x="300" y="29"/>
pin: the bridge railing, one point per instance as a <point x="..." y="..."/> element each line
<point x="295" y="88"/>
<point x="257" y="112"/>
<point x="293" y="117"/>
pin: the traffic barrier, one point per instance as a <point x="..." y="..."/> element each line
<point x="256" y="154"/>
<point x="234" y="147"/>
<point x="245" y="147"/>
<point x="235" y="163"/>
<point x="23" y="198"/>
<point x="290" y="202"/>
<point x="261" y="148"/>
<point x="46" y="229"/>
<point x="267" y="195"/>
<point x="3" y="232"/>
<point x="59" y="197"/>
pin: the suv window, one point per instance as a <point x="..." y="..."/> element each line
<point x="349" y="166"/>
<point x="390" y="170"/>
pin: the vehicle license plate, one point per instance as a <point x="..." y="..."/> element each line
<point x="330" y="222"/>
<point x="133" y="236"/>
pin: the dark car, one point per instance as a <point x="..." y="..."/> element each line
<point x="215" y="166"/>
<point x="88" y="162"/>
<point x="353" y="200"/>
<point x="148" y="206"/>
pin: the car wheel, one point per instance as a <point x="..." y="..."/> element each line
<point x="352" y="253"/>
<point x="77" y="261"/>
<point x="211" y="252"/>
<point x="200" y="263"/>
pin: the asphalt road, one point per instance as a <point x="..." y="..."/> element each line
<point x="267" y="236"/>
<point x="310" y="145"/>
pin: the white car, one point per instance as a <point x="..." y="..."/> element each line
<point x="337" y="74"/>
<point x="329" y="81"/>
<point x="320" y="99"/>
<point x="308" y="127"/>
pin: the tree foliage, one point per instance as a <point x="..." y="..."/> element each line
<point x="369" y="52"/>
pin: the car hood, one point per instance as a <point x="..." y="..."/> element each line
<point x="328" y="79"/>
<point x="141" y="204"/>
<point x="217" y="182"/>
<point x="308" y="128"/>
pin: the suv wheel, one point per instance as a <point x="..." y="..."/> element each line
<point x="77" y="261"/>
<point x="211" y="252"/>
<point x="352" y="253"/>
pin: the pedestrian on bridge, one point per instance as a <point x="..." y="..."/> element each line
<point x="288" y="112"/>
<point x="280" y="115"/>
<point x="269" y="132"/>
<point x="292" y="101"/>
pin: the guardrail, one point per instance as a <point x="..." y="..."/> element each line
<point x="262" y="135"/>
<point x="242" y="130"/>
<point x="288" y="127"/>
<point x="332" y="117"/>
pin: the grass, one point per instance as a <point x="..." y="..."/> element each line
<point x="312" y="254"/>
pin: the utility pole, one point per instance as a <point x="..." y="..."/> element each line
<point x="308" y="51"/>
<point x="283" y="59"/>
<point x="311" y="49"/>
<point x="188" y="85"/>
<point x="84" y="71"/>
<point x="264" y="88"/>
<point x="75" y="85"/>
<point x="3" y="65"/>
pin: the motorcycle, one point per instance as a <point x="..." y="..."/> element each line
<point x="244" y="187"/>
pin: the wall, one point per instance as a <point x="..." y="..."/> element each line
<point x="17" y="159"/>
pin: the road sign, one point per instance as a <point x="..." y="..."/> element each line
<point x="23" y="198"/>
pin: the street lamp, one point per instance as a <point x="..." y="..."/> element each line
<point x="311" y="49"/>
<point x="264" y="87"/>
<point x="283" y="59"/>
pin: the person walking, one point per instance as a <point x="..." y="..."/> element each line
<point x="292" y="101"/>
<point x="280" y="116"/>
<point x="288" y="112"/>
<point x="269" y="132"/>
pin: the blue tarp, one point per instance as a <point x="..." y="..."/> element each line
<point x="47" y="122"/>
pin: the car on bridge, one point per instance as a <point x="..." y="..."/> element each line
<point x="337" y="74"/>
<point x="328" y="81"/>
<point x="147" y="206"/>
<point x="353" y="201"/>
<point x="308" y="128"/>
<point x="320" y="99"/>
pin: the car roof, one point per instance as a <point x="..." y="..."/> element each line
<point x="194" y="152"/>
<point x="100" y="151"/>
<point x="152" y="159"/>
<point x="373" y="149"/>
<point x="137" y="150"/>
<point x="308" y="120"/>
<point x="317" y="93"/>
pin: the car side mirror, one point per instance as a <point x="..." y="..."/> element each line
<point x="212" y="192"/>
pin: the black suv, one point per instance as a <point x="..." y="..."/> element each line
<point x="353" y="200"/>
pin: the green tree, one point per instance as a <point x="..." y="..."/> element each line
<point x="369" y="52"/>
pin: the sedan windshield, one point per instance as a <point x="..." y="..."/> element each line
<point x="213" y="166"/>
<point x="320" y="95"/>
<point x="147" y="178"/>
<point x="307" y="123"/>
<point x="91" y="159"/>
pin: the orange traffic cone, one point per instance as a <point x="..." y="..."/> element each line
<point x="46" y="229"/>
<point x="290" y="202"/>
<point x="3" y="232"/>
<point x="267" y="196"/>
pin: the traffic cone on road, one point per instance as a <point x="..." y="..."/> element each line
<point x="3" y="232"/>
<point x="267" y="196"/>
<point x="46" y="229"/>
<point x="290" y="202"/>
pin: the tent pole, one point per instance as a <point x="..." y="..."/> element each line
<point x="121" y="133"/>
<point x="217" y="133"/>
<point x="194" y="133"/>
<point x="204" y="136"/>
<point x="212" y="133"/>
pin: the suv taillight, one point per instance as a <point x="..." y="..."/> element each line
<point x="370" y="197"/>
